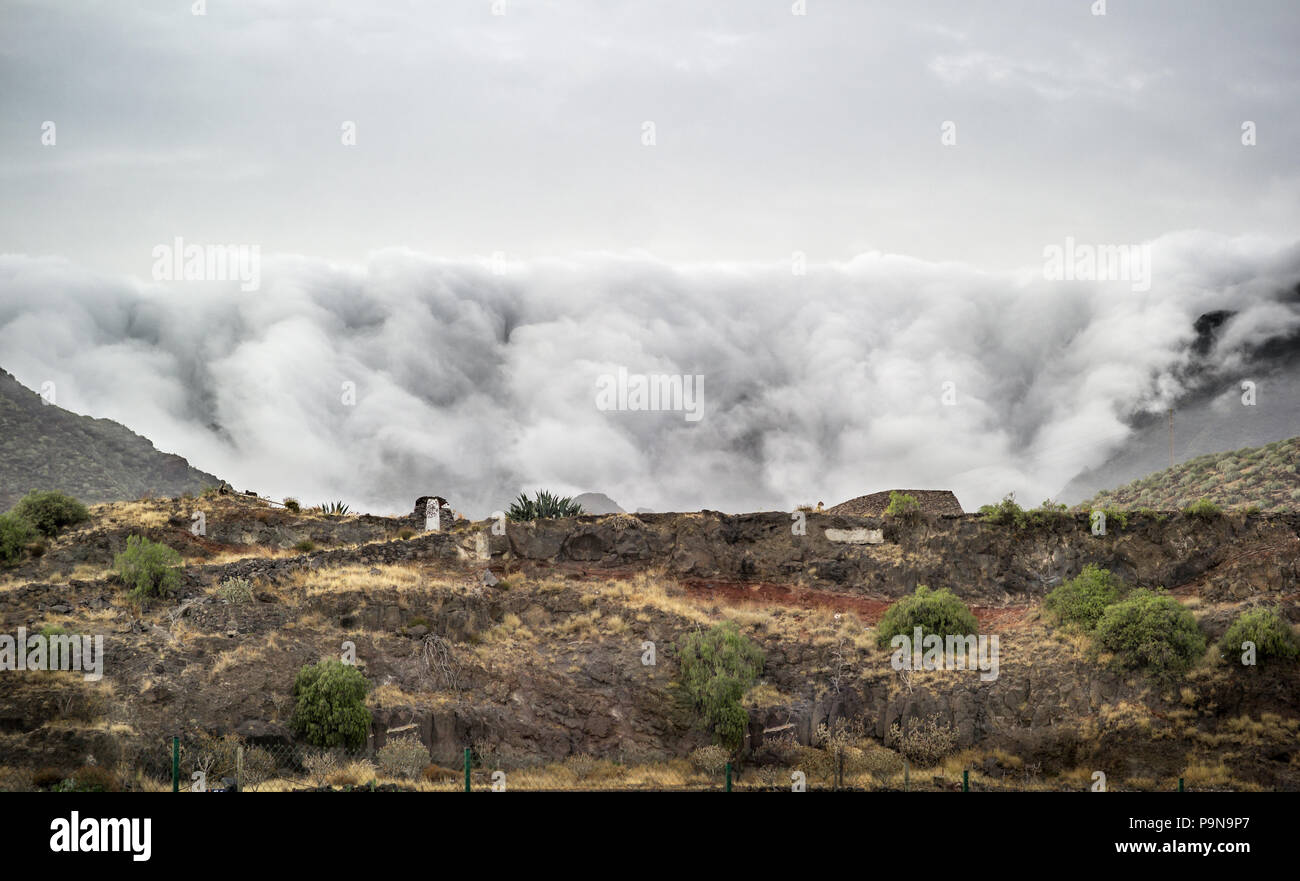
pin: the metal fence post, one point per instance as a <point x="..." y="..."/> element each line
<point x="965" y="780"/>
<point x="467" y="769"/>
<point x="239" y="769"/>
<point x="907" y="775"/>
<point x="176" y="764"/>
<point x="1180" y="784"/>
<point x="728" y="776"/>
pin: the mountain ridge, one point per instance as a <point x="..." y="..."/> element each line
<point x="45" y="447"/>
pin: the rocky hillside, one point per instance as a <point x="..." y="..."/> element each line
<point x="45" y="447"/>
<point x="539" y="667"/>
<point x="1259" y="477"/>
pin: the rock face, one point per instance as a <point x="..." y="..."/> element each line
<point x="876" y="557"/>
<point x="539" y="668"/>
<point x="45" y="447"/>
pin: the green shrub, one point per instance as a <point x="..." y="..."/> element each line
<point x="1203" y="508"/>
<point x="292" y="505"/>
<point x="904" y="507"/>
<point x="1082" y="599"/>
<point x="236" y="591"/>
<point x="334" y="509"/>
<point x="148" y="568"/>
<point x="1009" y="513"/>
<point x="329" y="705"/>
<point x="1046" y="514"/>
<point x="715" y="669"/>
<point x="1272" y="635"/>
<point x="934" y="611"/>
<point x="49" y="512"/>
<point x="1005" y="513"/>
<point x="1152" y="631"/>
<point x="544" y="506"/>
<point x="15" y="534"/>
<point x="305" y="546"/>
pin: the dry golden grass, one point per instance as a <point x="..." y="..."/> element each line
<point x="391" y="695"/>
<point x="249" y="552"/>
<point x="581" y="626"/>
<point x="144" y="513"/>
<point x="645" y="590"/>
<point x="1198" y="773"/>
<point x="403" y="576"/>
<point x="357" y="773"/>
<point x="510" y="630"/>
<point x="242" y="655"/>
<point x="765" y="694"/>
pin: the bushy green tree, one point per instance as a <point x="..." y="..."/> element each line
<point x="1151" y="630"/>
<point x="329" y="705"/>
<point x="715" y="669"/>
<point x="1082" y="599"/>
<point x="903" y="506"/>
<point x="148" y="568"/>
<point x="15" y="533"/>
<point x="1005" y="513"/>
<point x="48" y="512"/>
<point x="1047" y="514"/>
<point x="934" y="611"/>
<point x="1272" y="635"/>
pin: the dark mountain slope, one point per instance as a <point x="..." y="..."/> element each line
<point x="45" y="447"/>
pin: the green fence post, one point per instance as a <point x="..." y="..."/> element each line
<point x="728" y="776"/>
<point x="467" y="769"/>
<point x="965" y="780"/>
<point x="176" y="764"/>
<point x="1180" y="784"/>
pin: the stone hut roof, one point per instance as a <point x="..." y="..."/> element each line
<point x="932" y="501"/>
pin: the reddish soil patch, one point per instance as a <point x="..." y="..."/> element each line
<point x="766" y="593"/>
<point x="869" y="609"/>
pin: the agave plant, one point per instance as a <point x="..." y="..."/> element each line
<point x="543" y="506"/>
<point x="334" y="509"/>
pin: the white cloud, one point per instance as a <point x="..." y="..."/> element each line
<point x="816" y="388"/>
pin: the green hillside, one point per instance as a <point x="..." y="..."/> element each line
<point x="1264" y="477"/>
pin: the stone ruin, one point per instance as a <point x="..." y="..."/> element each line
<point x="433" y="517"/>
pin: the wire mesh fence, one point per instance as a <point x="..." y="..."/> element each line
<point x="206" y="763"/>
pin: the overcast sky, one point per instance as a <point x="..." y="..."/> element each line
<point x="523" y="134"/>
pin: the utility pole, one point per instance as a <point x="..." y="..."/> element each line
<point x="1171" y="437"/>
